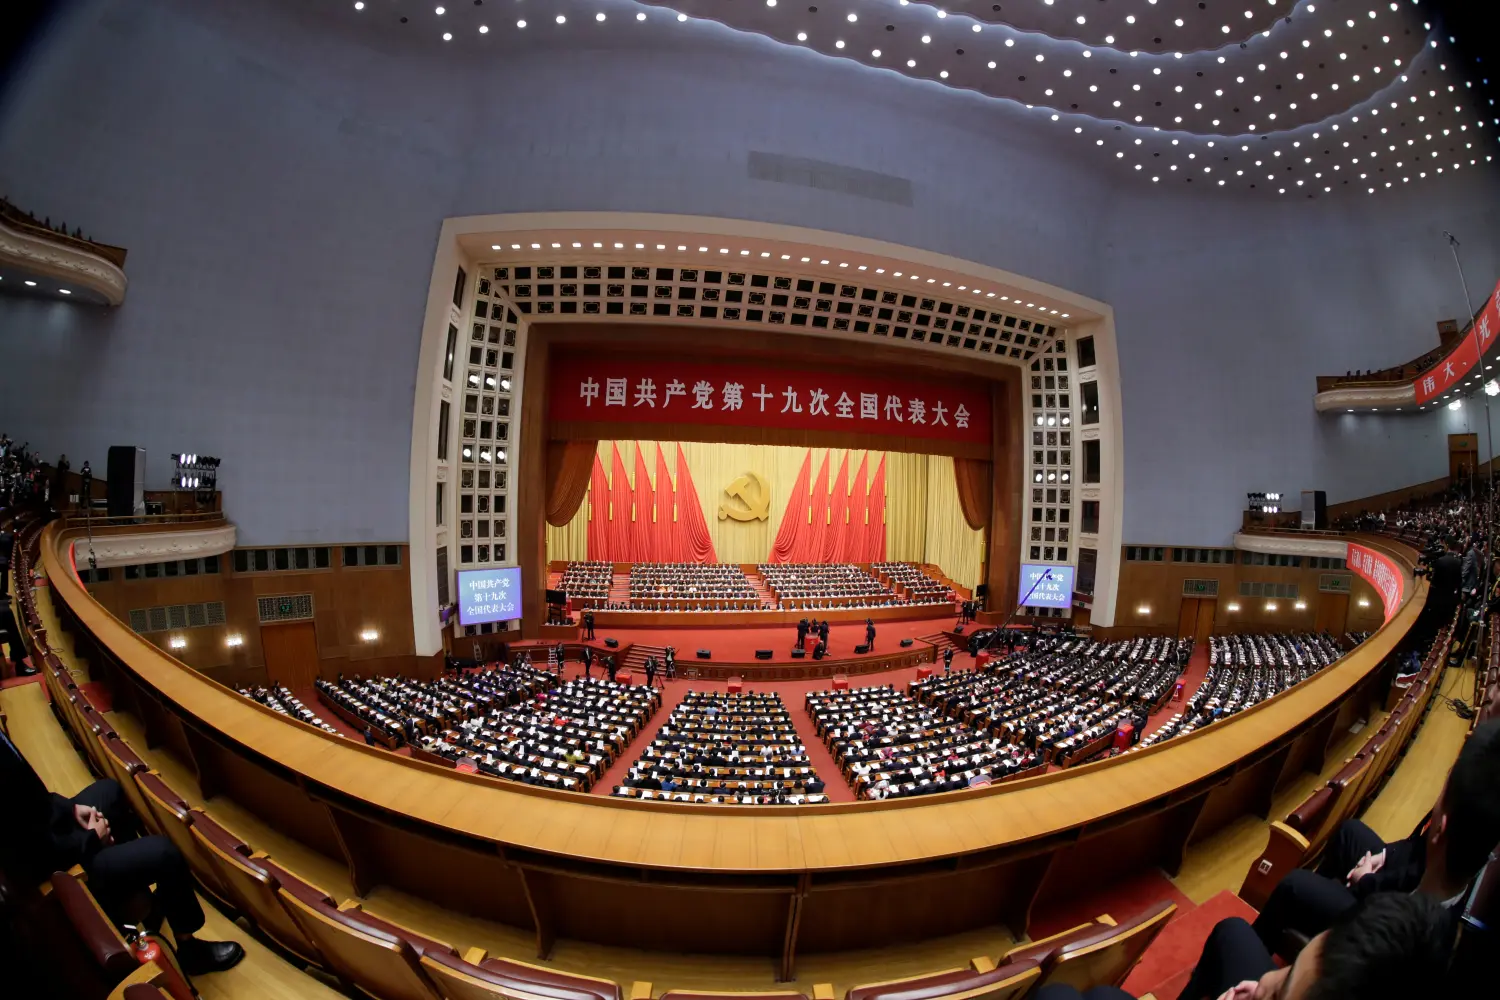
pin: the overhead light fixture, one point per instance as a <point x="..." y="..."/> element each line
<point x="1492" y="388"/>
<point x="1457" y="404"/>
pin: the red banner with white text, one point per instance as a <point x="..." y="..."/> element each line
<point x="1461" y="360"/>
<point x="1379" y="571"/>
<point x="664" y="391"/>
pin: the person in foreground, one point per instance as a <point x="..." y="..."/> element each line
<point x="45" y="832"/>
<point x="1388" y="947"/>
<point x="1438" y="860"/>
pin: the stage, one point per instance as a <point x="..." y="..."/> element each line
<point x="733" y="649"/>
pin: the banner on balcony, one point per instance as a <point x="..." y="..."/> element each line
<point x="662" y="391"/>
<point x="1454" y="368"/>
<point x="1377" y="569"/>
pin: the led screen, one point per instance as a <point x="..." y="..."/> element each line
<point x="489" y="595"/>
<point x="1053" y="586"/>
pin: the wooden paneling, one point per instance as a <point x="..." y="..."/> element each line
<point x="291" y="651"/>
<point x="346" y="602"/>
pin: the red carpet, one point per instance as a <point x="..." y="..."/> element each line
<point x="10" y="682"/>
<point x="1122" y="900"/>
<point x="1197" y="667"/>
<point x="738" y="645"/>
<point x="1165" y="968"/>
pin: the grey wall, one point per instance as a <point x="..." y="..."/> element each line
<point x="280" y="182"/>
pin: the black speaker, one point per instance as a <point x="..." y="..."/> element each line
<point x="1317" y="517"/>
<point x="818" y="652"/>
<point x="762" y="654"/>
<point x="704" y="654"/>
<point x="798" y="653"/>
<point x="905" y="643"/>
<point x="982" y="591"/>
<point x="959" y="629"/>
<point x="126" y="470"/>
<point x="862" y="648"/>
<point x="612" y="643"/>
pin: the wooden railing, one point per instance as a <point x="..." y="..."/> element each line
<point x="22" y="222"/>
<point x="771" y="880"/>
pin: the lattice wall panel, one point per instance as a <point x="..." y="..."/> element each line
<point x="772" y="299"/>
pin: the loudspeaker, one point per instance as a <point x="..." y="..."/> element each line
<point x="982" y="591"/>
<point x="612" y="643"/>
<point x="798" y="654"/>
<point x="126" y="471"/>
<point x="817" y="652"/>
<point x="1315" y="509"/>
<point x="959" y="629"/>
<point x="862" y="648"/>
<point x="905" y="643"/>
<point x="762" y="654"/>
<point x="704" y="654"/>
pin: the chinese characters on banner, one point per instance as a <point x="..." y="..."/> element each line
<point x="1377" y="569"/>
<point x="669" y="392"/>
<point x="1452" y="369"/>
<point x="489" y="595"/>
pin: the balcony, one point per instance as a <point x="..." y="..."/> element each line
<point x="38" y="258"/>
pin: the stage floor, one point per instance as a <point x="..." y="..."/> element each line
<point x="738" y="644"/>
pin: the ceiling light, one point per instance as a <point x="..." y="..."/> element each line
<point x="682" y="17"/>
<point x="853" y="17"/>
<point x="484" y="29"/>
<point x="440" y="12"/>
<point x="447" y="36"/>
<point x="640" y="17"/>
<point x="801" y="36"/>
<point x="839" y="44"/>
<point x="600" y="16"/>
<point x="65" y="291"/>
<point x="359" y="5"/>
<point x="30" y="284"/>
<point x="875" y="53"/>
<point x="520" y="24"/>
<point x="561" y="19"/>
<point x="1457" y="404"/>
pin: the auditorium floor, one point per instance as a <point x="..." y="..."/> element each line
<point x="1213" y="864"/>
<point x="738" y="645"/>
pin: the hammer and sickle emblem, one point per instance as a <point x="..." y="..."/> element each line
<point x="754" y="499"/>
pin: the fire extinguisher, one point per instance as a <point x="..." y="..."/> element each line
<point x="149" y="951"/>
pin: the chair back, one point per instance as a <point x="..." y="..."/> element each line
<point x="380" y="963"/>
<point x="1008" y="982"/>
<point x="251" y="887"/>
<point x="1106" y="957"/>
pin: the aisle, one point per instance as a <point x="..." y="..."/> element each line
<point x="1197" y="668"/>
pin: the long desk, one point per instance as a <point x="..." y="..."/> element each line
<point x="769" y="616"/>
<point x="755" y="880"/>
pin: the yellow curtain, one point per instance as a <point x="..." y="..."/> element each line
<point x="905" y="507"/>
<point x="950" y="542"/>
<point x="924" y="522"/>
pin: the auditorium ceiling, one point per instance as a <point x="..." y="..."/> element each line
<point x="1283" y="98"/>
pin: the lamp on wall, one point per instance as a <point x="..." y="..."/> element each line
<point x="177" y="642"/>
<point x="369" y="635"/>
<point x="234" y="641"/>
<point x="1234" y="606"/>
<point x="1270" y="605"/>
<point x="1300" y="605"/>
<point x="1143" y="609"/>
<point x="1364" y="602"/>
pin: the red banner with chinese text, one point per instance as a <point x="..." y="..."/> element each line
<point x="1461" y="360"/>
<point x="658" y="390"/>
<point x="1379" y="571"/>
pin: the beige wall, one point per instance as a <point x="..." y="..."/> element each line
<point x="923" y="519"/>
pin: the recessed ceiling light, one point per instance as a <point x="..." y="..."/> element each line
<point x="599" y="16"/>
<point x="65" y="291"/>
<point x="30" y="284"/>
<point x="520" y="24"/>
<point x="359" y="5"/>
<point x="484" y="29"/>
<point x="447" y="36"/>
<point x="561" y="19"/>
<point x="640" y="17"/>
<point x="801" y="36"/>
<point x="682" y="17"/>
<point x="440" y="12"/>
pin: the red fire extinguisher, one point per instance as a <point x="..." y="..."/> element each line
<point x="148" y="951"/>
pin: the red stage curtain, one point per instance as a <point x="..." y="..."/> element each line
<point x="875" y="529"/>
<point x="643" y="530"/>
<point x="853" y="547"/>
<point x="700" y="544"/>
<point x="671" y="544"/>
<point x="838" y="514"/>
<point x="568" y="466"/>
<point x="972" y="477"/>
<point x="620" y="547"/>
<point x="599" y="513"/>
<point x="794" y="518"/>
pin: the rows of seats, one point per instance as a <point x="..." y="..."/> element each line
<point x="689" y="585"/>
<point x="280" y="699"/>
<point x="400" y="711"/>
<point x="1064" y="697"/>
<point x="1245" y="670"/>
<point x="917" y="584"/>
<point x="1300" y="838"/>
<point x="824" y="580"/>
<point x="564" y="737"/>
<point x="586" y="582"/>
<point x="719" y="748"/>
<point x="890" y="745"/>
